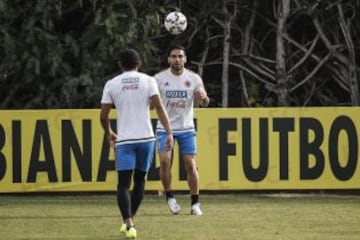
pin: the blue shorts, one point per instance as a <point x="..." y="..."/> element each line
<point x="185" y="140"/>
<point x="135" y="156"/>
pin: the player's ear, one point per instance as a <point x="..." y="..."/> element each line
<point x="139" y="64"/>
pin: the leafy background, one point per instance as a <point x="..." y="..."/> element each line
<point x="250" y="53"/>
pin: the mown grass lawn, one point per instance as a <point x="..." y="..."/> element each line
<point x="226" y="216"/>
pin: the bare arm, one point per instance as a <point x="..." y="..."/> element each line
<point x="105" y="123"/>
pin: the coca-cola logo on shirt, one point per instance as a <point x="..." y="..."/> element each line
<point x="176" y="104"/>
<point x="128" y="87"/>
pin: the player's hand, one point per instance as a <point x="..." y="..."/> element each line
<point x="112" y="139"/>
<point x="201" y="94"/>
<point x="151" y="105"/>
<point x="203" y="97"/>
<point x="169" y="142"/>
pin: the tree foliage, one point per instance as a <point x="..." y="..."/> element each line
<point x="58" y="54"/>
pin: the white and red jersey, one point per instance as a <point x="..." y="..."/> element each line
<point x="130" y="92"/>
<point x="177" y="95"/>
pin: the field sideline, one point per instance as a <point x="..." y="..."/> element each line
<point x="226" y="216"/>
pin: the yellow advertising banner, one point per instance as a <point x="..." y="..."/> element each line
<point x="238" y="149"/>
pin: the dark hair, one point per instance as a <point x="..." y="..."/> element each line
<point x="129" y="59"/>
<point x="176" y="47"/>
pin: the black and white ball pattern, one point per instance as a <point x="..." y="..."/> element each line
<point x="175" y="22"/>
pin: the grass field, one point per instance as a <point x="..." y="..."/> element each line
<point x="226" y="216"/>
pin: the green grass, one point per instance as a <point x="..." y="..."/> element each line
<point x="226" y="216"/>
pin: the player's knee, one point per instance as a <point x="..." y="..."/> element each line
<point x="139" y="177"/>
<point x="191" y="168"/>
<point x="124" y="179"/>
<point x="192" y="171"/>
<point x="165" y="163"/>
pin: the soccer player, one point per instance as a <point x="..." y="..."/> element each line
<point x="178" y="88"/>
<point x="131" y="93"/>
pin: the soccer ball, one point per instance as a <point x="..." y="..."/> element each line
<point x="175" y="22"/>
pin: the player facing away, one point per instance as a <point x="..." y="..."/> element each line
<point x="131" y="93"/>
<point x="178" y="88"/>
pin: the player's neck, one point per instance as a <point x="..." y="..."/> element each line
<point x="177" y="72"/>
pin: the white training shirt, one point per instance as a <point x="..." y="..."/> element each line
<point x="177" y="95"/>
<point x="130" y="92"/>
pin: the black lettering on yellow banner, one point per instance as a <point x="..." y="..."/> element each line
<point x="311" y="147"/>
<point x="251" y="173"/>
<point x="17" y="151"/>
<point x="255" y="149"/>
<point x="343" y="123"/>
<point x="284" y="126"/>
<point x="225" y="149"/>
<point x="42" y="137"/>
<point x="2" y="156"/>
<point x="70" y="144"/>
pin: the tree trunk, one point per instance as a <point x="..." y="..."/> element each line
<point x="281" y="77"/>
<point x="226" y="56"/>
<point x="245" y="52"/>
<point x="352" y="76"/>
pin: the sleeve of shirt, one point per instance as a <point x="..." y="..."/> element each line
<point x="153" y="89"/>
<point x="157" y="80"/>
<point x="199" y="85"/>
<point x="106" y="96"/>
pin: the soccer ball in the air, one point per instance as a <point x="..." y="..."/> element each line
<point x="175" y="22"/>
